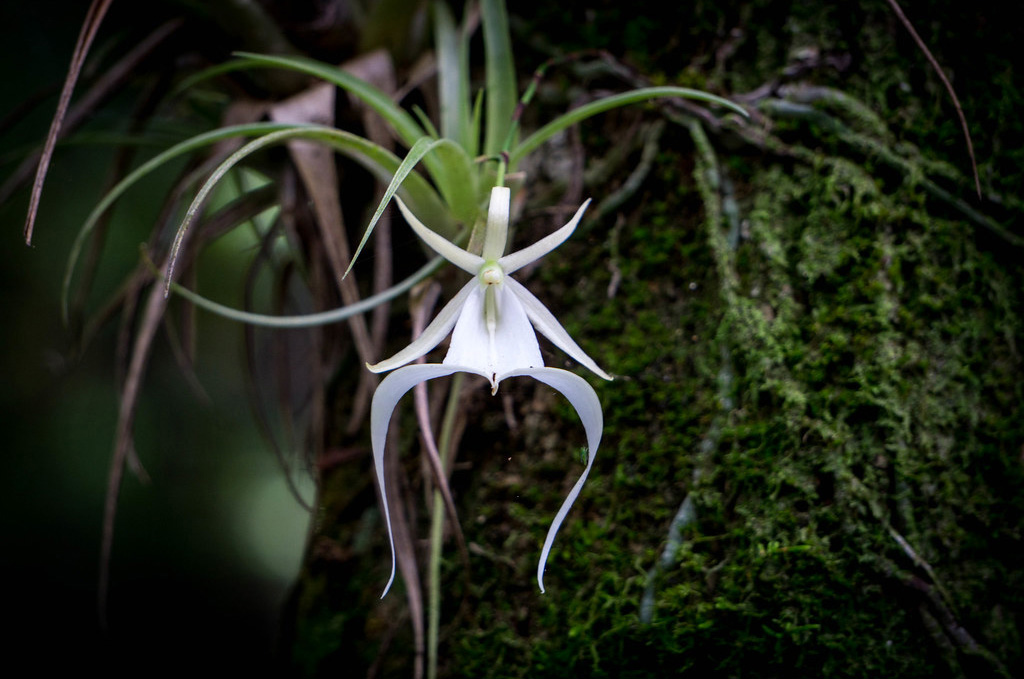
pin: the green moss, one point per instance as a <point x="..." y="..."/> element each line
<point x="816" y="348"/>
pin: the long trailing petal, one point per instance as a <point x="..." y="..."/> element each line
<point x="544" y="321"/>
<point x="466" y="261"/>
<point x="490" y="349"/>
<point x="517" y="260"/>
<point x="432" y="334"/>
<point x="390" y="391"/>
<point x="582" y="397"/>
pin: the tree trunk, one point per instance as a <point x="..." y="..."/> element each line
<point x="812" y="457"/>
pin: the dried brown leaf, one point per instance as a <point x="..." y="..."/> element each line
<point x="63" y="121"/>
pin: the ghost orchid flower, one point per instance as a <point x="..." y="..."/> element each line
<point x="493" y="317"/>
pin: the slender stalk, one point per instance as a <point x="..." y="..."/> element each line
<point x="437" y="528"/>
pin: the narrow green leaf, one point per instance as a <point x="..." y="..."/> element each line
<point x="470" y="134"/>
<point x="308" y="320"/>
<point x="187" y="146"/>
<point x="403" y="123"/>
<point x="208" y="73"/>
<point x="501" y="75"/>
<point x="374" y="158"/>
<point x="614" y="101"/>
<point x="458" y="182"/>
<point x="421" y="148"/>
<point x="426" y="122"/>
<point x="478" y="110"/>
<point x="451" y="76"/>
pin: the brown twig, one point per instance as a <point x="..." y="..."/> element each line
<point x="945" y="81"/>
<point x="93" y="19"/>
<point x="420" y="313"/>
<point x="62" y="119"/>
<point x="405" y="550"/>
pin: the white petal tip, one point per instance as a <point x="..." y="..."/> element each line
<point x="391" y="581"/>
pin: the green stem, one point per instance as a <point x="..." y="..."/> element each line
<point x="437" y="529"/>
<point x="500" y="179"/>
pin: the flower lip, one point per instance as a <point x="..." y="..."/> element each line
<point x="493" y="335"/>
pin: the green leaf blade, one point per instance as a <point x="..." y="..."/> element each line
<point x="593" y="108"/>
<point x="501" y="95"/>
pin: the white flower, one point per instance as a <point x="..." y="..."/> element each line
<point x="493" y="317"/>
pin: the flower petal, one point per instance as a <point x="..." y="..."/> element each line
<point x="432" y="334"/>
<point x="582" y="397"/>
<point x="517" y="260"/>
<point x="510" y="344"/>
<point x="463" y="259"/>
<point x="389" y="392"/>
<point x="497" y="222"/>
<point x="549" y="326"/>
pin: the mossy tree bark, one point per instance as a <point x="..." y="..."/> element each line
<point x="812" y="457"/>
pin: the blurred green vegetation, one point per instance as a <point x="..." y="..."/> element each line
<point x="193" y="579"/>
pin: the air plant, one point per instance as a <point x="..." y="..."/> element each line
<point x="492" y="315"/>
<point x="468" y="157"/>
<point x="466" y="164"/>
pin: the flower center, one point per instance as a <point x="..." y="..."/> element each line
<point x="491" y="273"/>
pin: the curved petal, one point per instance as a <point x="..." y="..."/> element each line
<point x="582" y="397"/>
<point x="463" y="259"/>
<point x="549" y="326"/>
<point x="517" y="260"/>
<point x="490" y="350"/>
<point x="431" y="335"/>
<point x="387" y="396"/>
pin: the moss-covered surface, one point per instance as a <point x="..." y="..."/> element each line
<point x="818" y="362"/>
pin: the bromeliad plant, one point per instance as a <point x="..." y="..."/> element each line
<point x="468" y="160"/>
